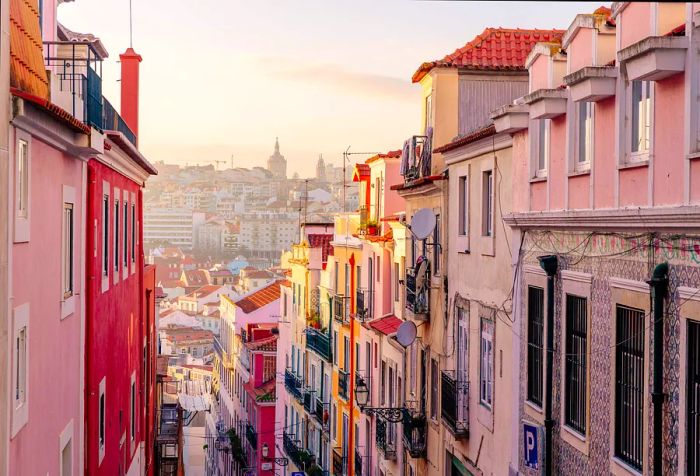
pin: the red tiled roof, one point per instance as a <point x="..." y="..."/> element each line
<point x="205" y="291"/>
<point x="360" y="172"/>
<point x="323" y="241"/>
<point x="220" y="272"/>
<point x="386" y="325"/>
<point x="269" y="344"/>
<point x="172" y="283"/>
<point x="196" y="277"/>
<point x="458" y="142"/>
<point x="185" y="334"/>
<point x="27" y="69"/>
<point x="260" y="298"/>
<point x="260" y="274"/>
<point x="493" y="49"/>
<point x="392" y="154"/>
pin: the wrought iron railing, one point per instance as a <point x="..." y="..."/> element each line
<point x="339" y="462"/>
<point x="299" y="456"/>
<point x="319" y="342"/>
<point x="309" y="400"/>
<point x="418" y="297"/>
<point x="343" y="383"/>
<point x="455" y="403"/>
<point x="293" y="384"/>
<point x="358" y="464"/>
<point x="386" y="438"/>
<point x="419" y="161"/>
<point x="341" y="308"/>
<point x="415" y="434"/>
<point x="251" y="435"/>
<point x="112" y="121"/>
<point x="319" y="411"/>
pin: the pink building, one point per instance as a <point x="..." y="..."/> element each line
<point x="605" y="194"/>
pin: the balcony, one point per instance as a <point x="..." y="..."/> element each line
<point x="319" y="412"/>
<point x="343" y="381"/>
<point x="592" y="83"/>
<point x="419" y="160"/>
<point x="76" y="85"/>
<point x="418" y="292"/>
<point x="511" y="118"/>
<point x="252" y="436"/>
<point x="654" y="58"/>
<point x="293" y="385"/>
<point x="309" y="401"/>
<point x="299" y="456"/>
<point x="339" y="462"/>
<point x="455" y="404"/>
<point x="341" y="308"/>
<point x="546" y="103"/>
<point x="386" y="439"/>
<point x="319" y="342"/>
<point x="415" y="434"/>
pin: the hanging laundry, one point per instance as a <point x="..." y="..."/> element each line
<point x="427" y="153"/>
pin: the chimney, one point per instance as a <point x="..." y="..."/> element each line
<point x="130" y="89"/>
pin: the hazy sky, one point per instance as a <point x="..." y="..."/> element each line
<point x="224" y="77"/>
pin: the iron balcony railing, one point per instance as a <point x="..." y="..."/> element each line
<point x="358" y="464"/>
<point x="386" y="438"/>
<point x="319" y="411"/>
<point x="252" y="436"/>
<point x="293" y="384"/>
<point x="415" y="434"/>
<point x="455" y="403"/>
<point x="418" y="292"/>
<point x="362" y="304"/>
<point x="343" y="381"/>
<point x="319" y="342"/>
<point x="339" y="462"/>
<point x="309" y="400"/>
<point x="112" y="121"/>
<point x="341" y="308"/>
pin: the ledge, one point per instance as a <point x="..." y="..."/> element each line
<point x="546" y="103"/>
<point x="511" y="118"/>
<point x="538" y="179"/>
<point x="578" y="173"/>
<point x="654" y="58"/>
<point x="633" y="165"/>
<point x="659" y="218"/>
<point x="592" y="83"/>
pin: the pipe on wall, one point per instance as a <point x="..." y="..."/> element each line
<point x="659" y="290"/>
<point x="549" y="264"/>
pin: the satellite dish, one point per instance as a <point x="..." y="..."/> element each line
<point x="423" y="223"/>
<point x="406" y="333"/>
<point x="420" y="274"/>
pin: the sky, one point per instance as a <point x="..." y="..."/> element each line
<point x="220" y="79"/>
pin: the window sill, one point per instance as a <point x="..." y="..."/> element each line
<point x="579" y="172"/>
<point x="619" y="467"/>
<point x="634" y="164"/>
<point x="538" y="179"/>
<point x="693" y="156"/>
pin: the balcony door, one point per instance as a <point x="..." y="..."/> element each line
<point x="345" y="442"/>
<point x="462" y="371"/>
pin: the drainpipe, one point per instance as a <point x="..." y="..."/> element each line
<point x="659" y="291"/>
<point x="549" y="264"/>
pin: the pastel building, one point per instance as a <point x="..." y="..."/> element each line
<point x="604" y="207"/>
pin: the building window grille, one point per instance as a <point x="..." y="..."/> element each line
<point x="576" y="364"/>
<point x="693" y="409"/>
<point x="535" y="341"/>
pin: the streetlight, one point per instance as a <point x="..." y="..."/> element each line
<point x="393" y="415"/>
<point x="278" y="461"/>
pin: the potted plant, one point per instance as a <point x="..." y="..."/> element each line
<point x="372" y="227"/>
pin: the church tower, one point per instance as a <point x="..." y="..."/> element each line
<point x="277" y="164"/>
<point x="321" y="169"/>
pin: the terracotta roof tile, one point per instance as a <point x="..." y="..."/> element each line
<point x="386" y="325"/>
<point x="27" y="70"/>
<point x="487" y="131"/>
<point x="493" y="49"/>
<point x="323" y="241"/>
<point x="196" y="277"/>
<point x="260" y="298"/>
<point x="392" y="154"/>
<point x="268" y="344"/>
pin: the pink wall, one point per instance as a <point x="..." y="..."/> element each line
<point x="634" y="23"/>
<point x="539" y="73"/>
<point x="634" y="184"/>
<point x="538" y="196"/>
<point x="579" y="195"/>
<point x="557" y="169"/>
<point x="668" y="145"/>
<point x="521" y="171"/>
<point x="393" y="203"/>
<point x="604" y="166"/>
<point x="54" y="344"/>
<point x="580" y="50"/>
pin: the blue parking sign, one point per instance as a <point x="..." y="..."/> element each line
<point x="298" y="473"/>
<point x="530" y="447"/>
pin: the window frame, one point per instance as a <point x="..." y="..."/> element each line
<point x="22" y="186"/>
<point x="434" y="389"/>
<point x="105" y="233"/>
<point x="639" y="155"/>
<point x="116" y="235"/>
<point x="486" y="361"/>
<point x="575" y="330"/>
<point x="589" y="136"/>
<point x="530" y="397"/>
<point x="68" y="254"/>
<point x="101" y="419"/>
<point x="20" y="367"/>
<point x="463" y="188"/>
<point x="125" y="237"/>
<point x="488" y="187"/>
<point x="540" y="134"/>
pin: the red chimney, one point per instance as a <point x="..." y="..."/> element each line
<point x="130" y="89"/>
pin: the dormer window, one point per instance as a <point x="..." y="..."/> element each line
<point x="584" y="135"/>
<point x="640" y="125"/>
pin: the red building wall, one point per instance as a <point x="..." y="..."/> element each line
<point x="114" y="334"/>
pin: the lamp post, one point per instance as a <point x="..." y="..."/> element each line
<point x="391" y="414"/>
<point x="278" y="461"/>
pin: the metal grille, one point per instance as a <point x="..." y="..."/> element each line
<point x="693" y="398"/>
<point x="535" y="343"/>
<point x="575" y="378"/>
<point x="629" y="386"/>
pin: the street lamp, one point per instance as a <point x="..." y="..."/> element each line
<point x="393" y="415"/>
<point x="278" y="461"/>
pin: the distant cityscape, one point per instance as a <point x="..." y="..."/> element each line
<point x="253" y="213"/>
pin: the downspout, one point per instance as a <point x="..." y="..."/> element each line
<point x="549" y="264"/>
<point x="351" y="378"/>
<point x="659" y="290"/>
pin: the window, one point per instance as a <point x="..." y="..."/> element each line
<point x="463" y="205"/>
<point x="397" y="278"/>
<point x="629" y="386"/>
<point x="125" y="256"/>
<point x="433" y="389"/>
<point x="486" y="360"/>
<point x="382" y="384"/>
<point x="428" y="111"/>
<point x="641" y="116"/>
<point x="101" y="418"/>
<point x="116" y="236"/>
<point x="346" y="354"/>
<point x="693" y="395"/>
<point x="22" y="199"/>
<point x="584" y="134"/>
<point x="67" y="459"/>
<point x="335" y="347"/>
<point x="133" y="233"/>
<point x="21" y="367"/>
<point x="68" y="261"/>
<point x="487" y="203"/>
<point x="575" y="375"/>
<point x="542" y="148"/>
<point x="535" y="344"/>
